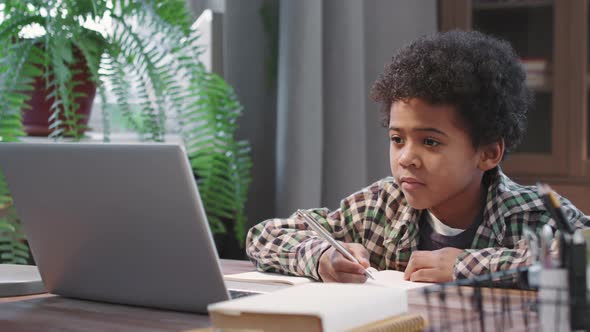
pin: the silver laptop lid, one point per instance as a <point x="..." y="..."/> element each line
<point x="119" y="223"/>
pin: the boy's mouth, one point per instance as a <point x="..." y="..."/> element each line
<point x="409" y="183"/>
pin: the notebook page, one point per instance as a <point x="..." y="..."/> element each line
<point x="267" y="278"/>
<point x="393" y="279"/>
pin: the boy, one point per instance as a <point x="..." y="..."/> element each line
<point x="455" y="105"/>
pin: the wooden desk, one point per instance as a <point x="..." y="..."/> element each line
<point x="46" y="312"/>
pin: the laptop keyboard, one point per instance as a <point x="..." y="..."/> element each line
<point x="235" y="294"/>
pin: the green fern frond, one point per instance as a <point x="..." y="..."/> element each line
<point x="172" y="13"/>
<point x="10" y="28"/>
<point x="105" y="110"/>
<point x="222" y="163"/>
<point x="59" y="79"/>
<point x="114" y="74"/>
<point x="12" y="247"/>
<point x="18" y="68"/>
<point x="86" y="8"/>
<point x="150" y="86"/>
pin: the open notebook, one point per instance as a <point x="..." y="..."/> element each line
<point x="385" y="278"/>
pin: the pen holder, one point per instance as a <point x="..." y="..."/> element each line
<point x="534" y="274"/>
<point x="554" y="300"/>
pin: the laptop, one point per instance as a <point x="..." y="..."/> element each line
<point x="119" y="223"/>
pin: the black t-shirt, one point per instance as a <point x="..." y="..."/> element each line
<point x="431" y="240"/>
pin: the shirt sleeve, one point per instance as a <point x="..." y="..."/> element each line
<point x="474" y="262"/>
<point x="289" y="246"/>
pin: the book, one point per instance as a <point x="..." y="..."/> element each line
<point x="310" y="307"/>
<point x="398" y="323"/>
<point x="267" y="278"/>
<point x="385" y="278"/>
<point x="534" y="64"/>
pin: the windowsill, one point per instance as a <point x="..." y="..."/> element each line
<point x="98" y="137"/>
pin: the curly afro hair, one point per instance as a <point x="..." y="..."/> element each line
<point x="477" y="74"/>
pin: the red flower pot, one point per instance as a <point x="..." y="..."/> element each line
<point x="36" y="118"/>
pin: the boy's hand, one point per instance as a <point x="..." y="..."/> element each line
<point x="333" y="267"/>
<point x="432" y="266"/>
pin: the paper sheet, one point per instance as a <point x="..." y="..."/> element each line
<point x="266" y="277"/>
<point x="394" y="279"/>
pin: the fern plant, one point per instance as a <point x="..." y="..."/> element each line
<point x="12" y="244"/>
<point x="12" y="95"/>
<point x="147" y="57"/>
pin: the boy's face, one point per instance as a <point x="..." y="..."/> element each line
<point x="432" y="157"/>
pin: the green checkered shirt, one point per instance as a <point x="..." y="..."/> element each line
<point x="380" y="218"/>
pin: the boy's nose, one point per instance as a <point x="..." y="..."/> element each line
<point x="409" y="158"/>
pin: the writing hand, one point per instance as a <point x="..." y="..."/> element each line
<point x="334" y="267"/>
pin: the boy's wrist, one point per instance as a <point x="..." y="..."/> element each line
<point x="319" y="262"/>
<point x="308" y="263"/>
<point x="458" y="267"/>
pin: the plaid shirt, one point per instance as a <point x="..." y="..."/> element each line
<point x="380" y="218"/>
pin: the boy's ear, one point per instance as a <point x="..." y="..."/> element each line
<point x="491" y="155"/>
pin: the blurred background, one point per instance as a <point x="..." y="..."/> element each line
<point x="302" y="70"/>
<point x="316" y="136"/>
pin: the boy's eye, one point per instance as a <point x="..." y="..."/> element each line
<point x="397" y="139"/>
<point x="431" y="142"/>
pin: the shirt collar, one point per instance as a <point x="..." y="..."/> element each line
<point x="499" y="188"/>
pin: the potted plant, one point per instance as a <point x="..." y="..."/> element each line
<point x="147" y="60"/>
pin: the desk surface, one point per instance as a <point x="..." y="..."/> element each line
<point x="46" y="312"/>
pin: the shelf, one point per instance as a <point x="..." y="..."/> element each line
<point x="551" y="37"/>
<point x="545" y="86"/>
<point x="524" y="4"/>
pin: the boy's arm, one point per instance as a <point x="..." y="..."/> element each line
<point x="289" y="246"/>
<point x="285" y="246"/>
<point x="473" y="262"/>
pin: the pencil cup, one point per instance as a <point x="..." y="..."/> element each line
<point x="554" y="300"/>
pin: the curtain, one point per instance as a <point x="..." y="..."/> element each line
<point x="330" y="142"/>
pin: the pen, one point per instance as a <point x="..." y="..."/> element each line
<point x="316" y="227"/>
